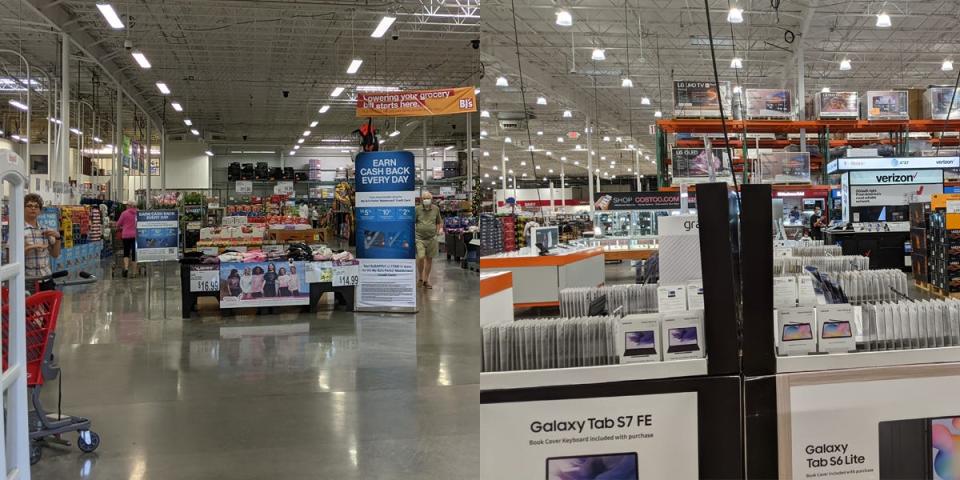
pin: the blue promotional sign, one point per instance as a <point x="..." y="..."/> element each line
<point x="158" y="235"/>
<point x="386" y="245"/>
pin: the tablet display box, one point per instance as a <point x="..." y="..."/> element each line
<point x="835" y="325"/>
<point x="795" y="329"/>
<point x="639" y="338"/>
<point x="682" y="335"/>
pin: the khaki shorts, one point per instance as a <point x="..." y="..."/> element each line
<point x="428" y="247"/>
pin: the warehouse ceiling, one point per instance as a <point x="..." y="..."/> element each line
<point x="228" y="63"/>
<point x="668" y="40"/>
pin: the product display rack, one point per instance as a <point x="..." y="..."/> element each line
<point x="820" y="133"/>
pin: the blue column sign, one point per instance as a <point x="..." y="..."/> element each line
<point x="386" y="246"/>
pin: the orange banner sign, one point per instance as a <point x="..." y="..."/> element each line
<point x="417" y="103"/>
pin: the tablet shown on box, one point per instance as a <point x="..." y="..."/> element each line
<point x="640" y="342"/>
<point x="682" y="339"/>
<point x="619" y="466"/>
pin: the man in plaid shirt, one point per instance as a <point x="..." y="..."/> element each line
<point x="40" y="244"/>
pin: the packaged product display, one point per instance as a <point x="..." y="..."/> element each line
<point x="838" y="105"/>
<point x="694" y="165"/>
<point x="694" y="99"/>
<point x="549" y="343"/>
<point x="842" y="263"/>
<point x="936" y="103"/>
<point x="887" y="105"/>
<point x="911" y="325"/>
<point x="768" y="103"/>
<point x="611" y="299"/>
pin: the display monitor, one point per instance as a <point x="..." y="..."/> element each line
<point x="682" y="339"/>
<point x="640" y="342"/>
<point x="607" y="466"/>
<point x="549" y="237"/>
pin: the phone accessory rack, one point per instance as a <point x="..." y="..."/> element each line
<point x="620" y="300"/>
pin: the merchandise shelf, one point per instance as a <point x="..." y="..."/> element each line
<point x="587" y="375"/>
<point x="811" y="126"/>
<point x="887" y="358"/>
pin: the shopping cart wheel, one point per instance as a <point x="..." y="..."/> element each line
<point x="88" y="441"/>
<point x="35" y="453"/>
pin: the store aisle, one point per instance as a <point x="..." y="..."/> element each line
<point x="327" y="395"/>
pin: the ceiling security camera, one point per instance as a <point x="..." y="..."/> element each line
<point x="127" y="44"/>
<point x="395" y="35"/>
<point x="286" y="93"/>
<point x="475" y="43"/>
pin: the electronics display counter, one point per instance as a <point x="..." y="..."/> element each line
<point x="538" y="279"/>
<point x="885" y="248"/>
<point x="496" y="297"/>
<point x="622" y="248"/>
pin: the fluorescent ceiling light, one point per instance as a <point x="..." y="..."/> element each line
<point x="55" y="120"/>
<point x="195" y="132"/>
<point x="164" y="89"/>
<point x="606" y="138"/>
<point x="20" y="105"/>
<point x="502" y="81"/>
<point x="483" y="133"/>
<point x="97" y="140"/>
<point x="251" y="152"/>
<point x="300" y="141"/>
<point x="507" y="140"/>
<point x="306" y="133"/>
<point x="541" y="100"/>
<point x="141" y="59"/>
<point x="293" y="152"/>
<point x="448" y="147"/>
<point x="737" y="89"/>
<point x="947" y="65"/>
<point x="15" y="137"/>
<point x="296" y="147"/>
<point x="376" y="88"/>
<point x="619" y="140"/>
<point x="735" y="15"/>
<point x="176" y="106"/>
<point x="314" y="123"/>
<point x="336" y="92"/>
<point x="539" y="133"/>
<point x="567" y="114"/>
<point x="110" y="15"/>
<point x="354" y="66"/>
<point x="883" y="20"/>
<point x="598" y="54"/>
<point x="486" y="154"/>
<point x="476" y="91"/>
<point x="324" y="108"/>
<point x="209" y="153"/>
<point x="188" y="122"/>
<point x="396" y="132"/>
<point x="645" y="101"/>
<point x="845" y="64"/>
<point x="76" y="131"/>
<point x="564" y="19"/>
<point x="626" y="83"/>
<point x="825" y="90"/>
<point x="484" y="114"/>
<point x="383" y="26"/>
<point x="736" y="62"/>
<point x="549" y="153"/>
<point x="559" y="139"/>
<point x="382" y="141"/>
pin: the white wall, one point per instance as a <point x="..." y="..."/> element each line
<point x="187" y="166"/>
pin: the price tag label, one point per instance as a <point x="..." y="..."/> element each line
<point x="244" y="187"/>
<point x="319" y="272"/>
<point x="283" y="188"/>
<point x="346" y="275"/>
<point x="204" y="280"/>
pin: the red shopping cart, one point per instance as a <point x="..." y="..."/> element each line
<point x="42" y="310"/>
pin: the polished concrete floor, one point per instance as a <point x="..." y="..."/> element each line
<point x="331" y="395"/>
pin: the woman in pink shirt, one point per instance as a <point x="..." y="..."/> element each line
<point x="127" y="223"/>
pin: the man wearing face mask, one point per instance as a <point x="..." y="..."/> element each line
<point x="429" y="226"/>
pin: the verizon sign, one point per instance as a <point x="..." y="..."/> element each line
<point x="898" y="163"/>
<point x="896" y="177"/>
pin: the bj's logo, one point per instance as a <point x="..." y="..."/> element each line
<point x="897" y="178"/>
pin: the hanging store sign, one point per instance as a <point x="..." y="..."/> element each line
<point x="887" y="163"/>
<point x="386" y="244"/>
<point x="638" y="201"/>
<point x="895" y="177"/>
<point x="417" y="103"/>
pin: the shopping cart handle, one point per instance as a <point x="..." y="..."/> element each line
<point x="60" y="274"/>
<point x="86" y="275"/>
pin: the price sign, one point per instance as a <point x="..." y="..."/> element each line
<point x="319" y="272"/>
<point x="244" y="187"/>
<point x="204" y="280"/>
<point x="346" y="275"/>
<point x="283" y="188"/>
